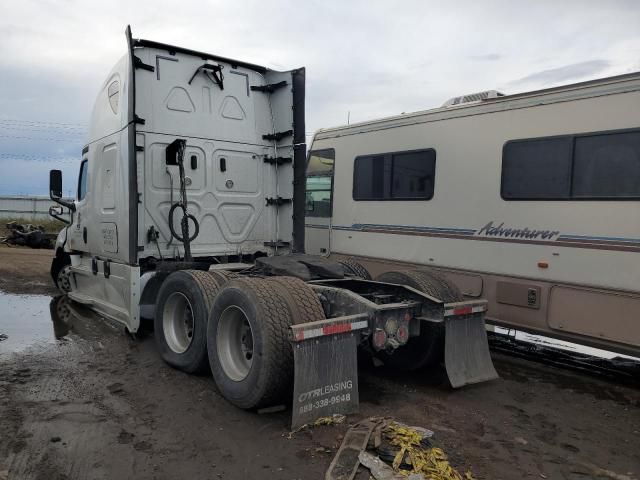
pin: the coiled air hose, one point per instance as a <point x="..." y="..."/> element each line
<point x="185" y="238"/>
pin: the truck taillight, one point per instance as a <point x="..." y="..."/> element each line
<point x="402" y="334"/>
<point x="379" y="338"/>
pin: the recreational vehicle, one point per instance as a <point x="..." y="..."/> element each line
<point x="531" y="201"/>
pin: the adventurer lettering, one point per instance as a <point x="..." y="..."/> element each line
<point x="490" y="230"/>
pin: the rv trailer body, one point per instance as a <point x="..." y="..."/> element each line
<point x="529" y="200"/>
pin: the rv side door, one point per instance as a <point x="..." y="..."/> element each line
<point x="319" y="201"/>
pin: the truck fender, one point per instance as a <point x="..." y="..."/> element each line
<point x="150" y="284"/>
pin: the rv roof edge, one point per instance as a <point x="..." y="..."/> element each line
<point x="498" y="99"/>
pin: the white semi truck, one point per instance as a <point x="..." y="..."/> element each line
<point x="190" y="211"/>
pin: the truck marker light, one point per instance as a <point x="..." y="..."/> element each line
<point x="462" y="311"/>
<point x="330" y="330"/>
<point x="543" y="264"/>
<point x="402" y="334"/>
<point x="467" y="310"/>
<point x="379" y="338"/>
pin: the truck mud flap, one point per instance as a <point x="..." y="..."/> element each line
<point x="466" y="356"/>
<point x="326" y="368"/>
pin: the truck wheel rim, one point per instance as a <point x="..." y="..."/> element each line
<point x="235" y="343"/>
<point x="177" y="322"/>
<point x="64" y="278"/>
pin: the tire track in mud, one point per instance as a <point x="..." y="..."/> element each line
<point x="59" y="409"/>
<point x="119" y="412"/>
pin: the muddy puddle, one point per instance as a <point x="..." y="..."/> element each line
<point x="37" y="321"/>
<point x="24" y="321"/>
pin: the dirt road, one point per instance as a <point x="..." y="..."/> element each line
<point x="97" y="404"/>
<point x="25" y="270"/>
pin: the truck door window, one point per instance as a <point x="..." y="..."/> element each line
<point x="319" y="183"/>
<point x="82" y="180"/>
<point x="114" y="95"/>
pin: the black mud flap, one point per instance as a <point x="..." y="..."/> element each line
<point x="466" y="357"/>
<point x="326" y="368"/>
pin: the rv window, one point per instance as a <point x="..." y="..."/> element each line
<point x="319" y="183"/>
<point x="321" y="162"/>
<point x="607" y="166"/>
<point x="537" y="169"/>
<point x="572" y="167"/>
<point x="82" y="180"/>
<point x="395" y="176"/>
<point x="412" y="175"/>
<point x="370" y="178"/>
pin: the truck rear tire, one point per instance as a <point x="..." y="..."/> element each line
<point x="223" y="276"/>
<point x="182" y="312"/>
<point x="302" y="301"/>
<point x="250" y="354"/>
<point x="355" y="268"/>
<point x="426" y="349"/>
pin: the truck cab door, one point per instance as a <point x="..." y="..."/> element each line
<point x="78" y="231"/>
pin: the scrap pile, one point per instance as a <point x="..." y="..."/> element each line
<point x="28" y="235"/>
<point x="391" y="451"/>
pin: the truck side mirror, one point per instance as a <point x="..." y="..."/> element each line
<point x="55" y="190"/>
<point x="55" y="184"/>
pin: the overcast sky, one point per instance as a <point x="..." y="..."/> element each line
<point x="369" y="58"/>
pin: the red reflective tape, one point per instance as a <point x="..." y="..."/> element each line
<point x="340" y="328"/>
<point x="300" y="335"/>
<point x="462" y="311"/>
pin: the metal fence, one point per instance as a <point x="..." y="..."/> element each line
<point x="31" y="208"/>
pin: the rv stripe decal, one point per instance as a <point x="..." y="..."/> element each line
<point x="565" y="240"/>
<point x="311" y="225"/>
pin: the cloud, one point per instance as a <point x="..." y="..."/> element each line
<point x="486" y="57"/>
<point x="367" y="57"/>
<point x="566" y="73"/>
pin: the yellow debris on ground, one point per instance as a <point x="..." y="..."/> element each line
<point x="334" y="419"/>
<point x="431" y="462"/>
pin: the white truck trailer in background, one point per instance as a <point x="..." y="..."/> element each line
<point x="190" y="211"/>
<point x="531" y="201"/>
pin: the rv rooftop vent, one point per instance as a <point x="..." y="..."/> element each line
<point x="473" y="97"/>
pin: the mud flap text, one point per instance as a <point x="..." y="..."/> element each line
<point x="326" y="378"/>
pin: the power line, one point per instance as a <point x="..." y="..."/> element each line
<point x="59" y="131"/>
<point x="68" y="140"/>
<point x="22" y="156"/>
<point x="40" y="122"/>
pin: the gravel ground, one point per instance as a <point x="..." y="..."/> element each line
<point x="97" y="404"/>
